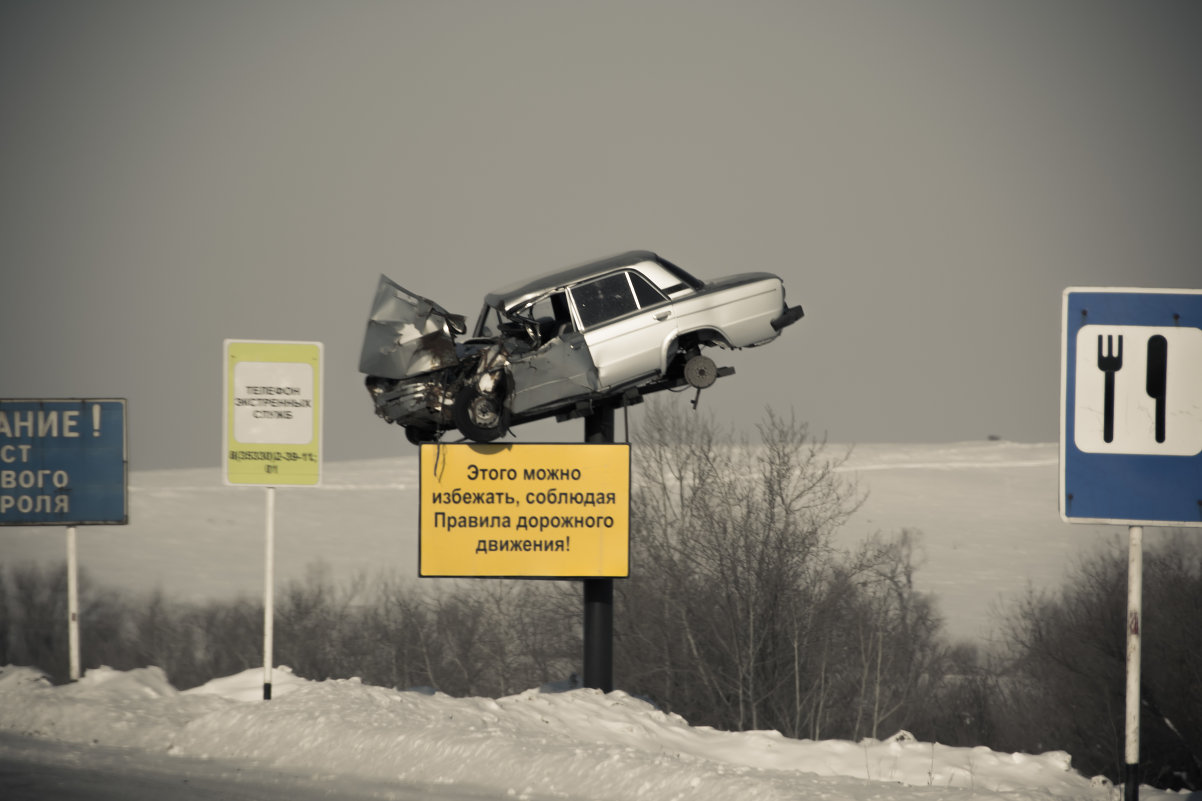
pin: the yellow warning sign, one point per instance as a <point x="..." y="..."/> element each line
<point x="526" y="510"/>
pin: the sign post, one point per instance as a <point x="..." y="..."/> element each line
<point x="599" y="592"/>
<point x="534" y="511"/>
<point x="271" y="436"/>
<point x="1135" y="574"/>
<point x="73" y="668"/>
<point x="63" y="463"/>
<point x="1131" y="432"/>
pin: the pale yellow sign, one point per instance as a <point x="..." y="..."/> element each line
<point x="525" y="510"/>
<point x="272" y="413"/>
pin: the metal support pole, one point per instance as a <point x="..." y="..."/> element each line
<point x="1135" y="570"/>
<point x="269" y="594"/>
<point x="599" y="592"/>
<point x="72" y="606"/>
<point x="599" y="634"/>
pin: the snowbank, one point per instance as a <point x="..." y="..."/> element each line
<point x="547" y="742"/>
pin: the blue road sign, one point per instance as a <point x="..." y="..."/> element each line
<point x="63" y="462"/>
<point x="1131" y="407"/>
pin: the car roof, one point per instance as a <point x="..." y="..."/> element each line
<point x="516" y="294"/>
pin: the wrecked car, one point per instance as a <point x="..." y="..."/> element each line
<point x="564" y="344"/>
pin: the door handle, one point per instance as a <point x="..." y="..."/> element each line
<point x="663" y="315"/>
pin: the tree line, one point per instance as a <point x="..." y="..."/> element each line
<point x="741" y="613"/>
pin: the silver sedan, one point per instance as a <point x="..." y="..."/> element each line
<point x="609" y="331"/>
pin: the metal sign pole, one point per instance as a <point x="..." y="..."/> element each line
<point x="1135" y="571"/>
<point x="599" y="592"/>
<point x="269" y="594"/>
<point x="72" y="605"/>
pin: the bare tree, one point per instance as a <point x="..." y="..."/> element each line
<point x="738" y="537"/>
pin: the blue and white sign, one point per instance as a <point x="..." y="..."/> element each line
<point x="1131" y="407"/>
<point x="63" y="462"/>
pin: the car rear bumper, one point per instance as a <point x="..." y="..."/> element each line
<point x="789" y="316"/>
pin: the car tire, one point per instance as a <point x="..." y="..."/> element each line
<point x="478" y="415"/>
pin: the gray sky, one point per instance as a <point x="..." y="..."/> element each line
<point x="927" y="177"/>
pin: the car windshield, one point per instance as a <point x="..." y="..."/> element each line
<point x="489" y="324"/>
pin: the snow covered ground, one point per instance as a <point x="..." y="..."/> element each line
<point x="134" y="734"/>
<point x="987" y="512"/>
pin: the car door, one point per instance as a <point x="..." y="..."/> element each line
<point x="559" y="368"/>
<point x="626" y="324"/>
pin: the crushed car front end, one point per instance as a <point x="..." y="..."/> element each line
<point x="419" y="377"/>
<point x="412" y="362"/>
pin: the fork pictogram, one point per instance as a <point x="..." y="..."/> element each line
<point x="1109" y="362"/>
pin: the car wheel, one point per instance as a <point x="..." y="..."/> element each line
<point x="478" y="415"/>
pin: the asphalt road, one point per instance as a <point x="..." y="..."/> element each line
<point x="41" y="770"/>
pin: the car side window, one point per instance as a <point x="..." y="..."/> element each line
<point x="604" y="299"/>
<point x="647" y="293"/>
<point x="552" y="315"/>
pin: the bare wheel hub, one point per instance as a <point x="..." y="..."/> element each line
<point x="700" y="371"/>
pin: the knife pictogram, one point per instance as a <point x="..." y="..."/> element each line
<point x="1158" y="368"/>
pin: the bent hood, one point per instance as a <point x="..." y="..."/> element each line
<point x="408" y="334"/>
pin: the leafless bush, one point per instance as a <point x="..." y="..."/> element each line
<point x="741" y="613"/>
<point x="33" y="618"/>
<point x="1062" y="683"/>
<point x="36" y="612"/>
<point x="484" y="638"/>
